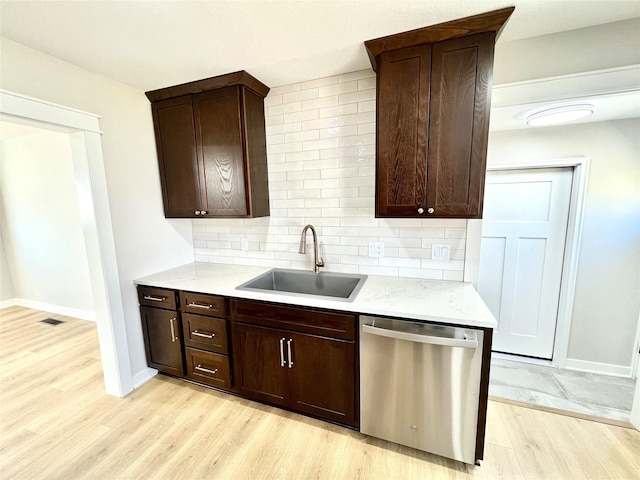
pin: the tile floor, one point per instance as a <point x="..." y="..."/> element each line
<point x="586" y="393"/>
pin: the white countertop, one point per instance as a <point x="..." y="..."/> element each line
<point x="455" y="303"/>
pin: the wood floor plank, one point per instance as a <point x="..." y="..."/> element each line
<point x="56" y="422"/>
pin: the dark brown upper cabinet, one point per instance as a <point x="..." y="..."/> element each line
<point x="212" y="154"/>
<point x="433" y="102"/>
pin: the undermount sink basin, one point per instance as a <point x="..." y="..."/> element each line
<point x="333" y="286"/>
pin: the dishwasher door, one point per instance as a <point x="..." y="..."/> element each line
<point x="420" y="385"/>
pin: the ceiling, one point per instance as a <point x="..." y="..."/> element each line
<point x="154" y="44"/>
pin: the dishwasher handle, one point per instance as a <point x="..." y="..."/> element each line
<point x="471" y="342"/>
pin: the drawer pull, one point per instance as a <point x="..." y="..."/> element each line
<point x="201" y="334"/>
<point x="154" y="299"/>
<point x="206" y="370"/>
<point x="200" y="305"/>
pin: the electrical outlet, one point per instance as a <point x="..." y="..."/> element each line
<point x="441" y="251"/>
<point x="244" y="244"/>
<point x="376" y="249"/>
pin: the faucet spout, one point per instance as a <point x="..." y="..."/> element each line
<point x="317" y="261"/>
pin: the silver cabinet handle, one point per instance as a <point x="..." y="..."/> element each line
<point x="200" y="368"/>
<point x="470" y="341"/>
<point x="430" y="210"/>
<point x="200" y="305"/>
<point x="282" y="362"/>
<point x="203" y="212"/>
<point x="421" y="210"/>
<point x="173" y="331"/>
<point x="290" y="353"/>
<point x="154" y="299"/>
<point x="204" y="335"/>
<point x="197" y="212"/>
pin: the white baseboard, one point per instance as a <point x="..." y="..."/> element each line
<point x="599" y="368"/>
<point x="143" y="376"/>
<point x="48" y="307"/>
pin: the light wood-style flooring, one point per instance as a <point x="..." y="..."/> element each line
<point x="56" y="422"/>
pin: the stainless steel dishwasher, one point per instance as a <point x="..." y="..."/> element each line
<point x="420" y="385"/>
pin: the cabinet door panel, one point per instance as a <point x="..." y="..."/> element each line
<point x="403" y="113"/>
<point x="459" y="122"/>
<point x="176" y="144"/>
<point x="323" y="377"/>
<point x="261" y="374"/>
<point x="218" y="130"/>
<point x="161" y="330"/>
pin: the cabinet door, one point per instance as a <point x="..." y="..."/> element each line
<point x="161" y="330"/>
<point x="459" y="125"/>
<point x="323" y="377"/>
<point x="260" y="355"/>
<point x="220" y="152"/>
<point x="403" y="116"/>
<point x="176" y="144"/>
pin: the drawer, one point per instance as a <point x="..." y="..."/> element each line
<point x="318" y="322"/>
<point x="203" y="304"/>
<point x="209" y="368"/>
<point x="157" y="297"/>
<point x="207" y="333"/>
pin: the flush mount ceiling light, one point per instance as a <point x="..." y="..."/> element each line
<point x="561" y="114"/>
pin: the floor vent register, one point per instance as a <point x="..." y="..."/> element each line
<point x="51" y="321"/>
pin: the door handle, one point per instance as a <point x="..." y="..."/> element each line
<point x="173" y="331"/>
<point x="290" y="353"/>
<point x="282" y="362"/>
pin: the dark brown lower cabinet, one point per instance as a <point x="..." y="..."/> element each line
<point x="260" y="357"/>
<point x="322" y="377"/>
<point x="307" y="373"/>
<point x="162" y="343"/>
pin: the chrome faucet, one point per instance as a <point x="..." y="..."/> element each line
<point x="303" y="247"/>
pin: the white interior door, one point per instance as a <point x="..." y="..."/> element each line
<point x="524" y="230"/>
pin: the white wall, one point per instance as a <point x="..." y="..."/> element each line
<point x="6" y="285"/>
<point x="586" y="49"/>
<point x="321" y="160"/>
<point x="41" y="224"/>
<point x="145" y="241"/>
<point x="607" y="297"/>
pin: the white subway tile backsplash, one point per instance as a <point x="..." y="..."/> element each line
<point x="339" y="88"/>
<point x="301" y="116"/>
<point x="299" y="96"/>
<point x="366" y="128"/>
<point x="348" y="77"/>
<point x="354" y="97"/>
<point x="369" y="106"/>
<point x="321" y="138"/>
<point x="320" y="82"/>
<point x="300" y="136"/>
<point x="338" y="110"/>
<point x="320" y="102"/>
<point x="367" y="83"/>
<point x="284" y="108"/>
<point x="345" y="131"/>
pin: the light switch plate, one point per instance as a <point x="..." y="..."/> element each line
<point x="376" y="249"/>
<point x="244" y="244"/>
<point x="441" y="252"/>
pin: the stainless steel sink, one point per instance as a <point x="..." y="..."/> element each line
<point x="331" y="286"/>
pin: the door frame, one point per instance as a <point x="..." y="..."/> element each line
<point x="580" y="166"/>
<point x="91" y="185"/>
